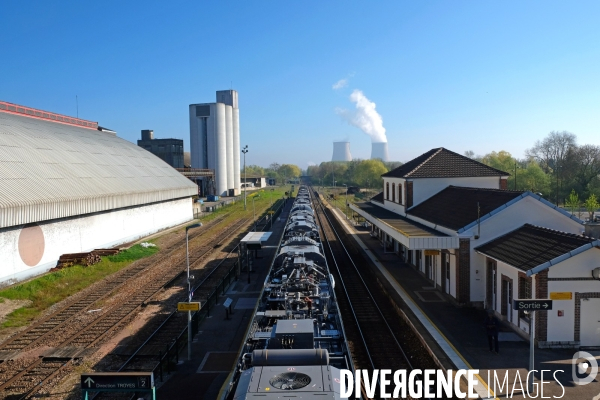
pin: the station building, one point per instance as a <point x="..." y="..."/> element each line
<point x="438" y="210"/>
<point x="68" y="186"/>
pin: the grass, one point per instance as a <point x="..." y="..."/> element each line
<point x="262" y="202"/>
<point x="49" y="289"/>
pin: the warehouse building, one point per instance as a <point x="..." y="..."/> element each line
<point x="68" y="185"/>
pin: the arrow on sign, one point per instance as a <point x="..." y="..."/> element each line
<point x="89" y="381"/>
<point x="545" y="305"/>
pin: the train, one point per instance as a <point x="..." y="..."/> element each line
<point x="296" y="344"/>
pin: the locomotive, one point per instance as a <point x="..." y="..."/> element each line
<point x="296" y="344"/>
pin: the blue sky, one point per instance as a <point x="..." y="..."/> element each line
<point x="464" y="75"/>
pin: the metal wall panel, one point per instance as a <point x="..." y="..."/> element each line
<point x="50" y="170"/>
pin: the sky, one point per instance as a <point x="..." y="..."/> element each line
<point x="482" y="76"/>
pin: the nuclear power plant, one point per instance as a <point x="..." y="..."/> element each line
<point x="341" y="151"/>
<point x="379" y="150"/>
<point x="215" y="140"/>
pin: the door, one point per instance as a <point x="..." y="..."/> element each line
<point x="428" y="267"/>
<point x="590" y="322"/>
<point x="445" y="273"/>
<point x="494" y="288"/>
<point x="507" y="299"/>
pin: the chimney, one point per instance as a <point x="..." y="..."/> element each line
<point x="592" y="229"/>
<point x="341" y="151"/>
<point x="379" y="150"/>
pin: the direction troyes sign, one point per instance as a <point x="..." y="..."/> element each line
<point x="532" y="305"/>
<point x="117" y="381"/>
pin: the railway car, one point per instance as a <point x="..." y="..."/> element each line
<point x="296" y="342"/>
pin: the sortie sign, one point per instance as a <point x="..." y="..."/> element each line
<point x="532" y="305"/>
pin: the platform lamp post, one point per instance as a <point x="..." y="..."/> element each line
<point x="346" y="200"/>
<point x="245" y="150"/>
<point x="187" y="260"/>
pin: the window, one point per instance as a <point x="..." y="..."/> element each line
<point x="387" y="190"/>
<point x="524" y="293"/>
<point x="393" y="192"/>
<point x="400" y="193"/>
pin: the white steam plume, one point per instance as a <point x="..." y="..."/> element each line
<point x="366" y="118"/>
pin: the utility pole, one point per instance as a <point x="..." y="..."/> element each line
<point x="245" y="150"/>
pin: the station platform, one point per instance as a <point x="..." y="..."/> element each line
<point x="457" y="337"/>
<point x="216" y="347"/>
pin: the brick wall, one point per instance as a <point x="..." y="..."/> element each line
<point x="503" y="184"/>
<point x="463" y="272"/>
<point x="541" y="317"/>
<point x="409" y="193"/>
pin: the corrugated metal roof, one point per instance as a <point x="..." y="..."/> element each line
<point x="50" y="170"/>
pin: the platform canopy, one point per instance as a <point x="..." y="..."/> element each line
<point x="411" y="234"/>
<point x="254" y="240"/>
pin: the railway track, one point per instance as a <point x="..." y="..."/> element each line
<point x="72" y="329"/>
<point x="147" y="355"/>
<point x="380" y="337"/>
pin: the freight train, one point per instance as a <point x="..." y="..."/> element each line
<point x="296" y="344"/>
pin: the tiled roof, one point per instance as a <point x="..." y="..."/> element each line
<point x="378" y="197"/>
<point x="443" y="163"/>
<point x="455" y="207"/>
<point x="529" y="246"/>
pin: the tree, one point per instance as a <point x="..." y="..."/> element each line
<point x="368" y="173"/>
<point x="583" y="166"/>
<point x="551" y="153"/>
<point x="591" y="205"/>
<point x="533" y="178"/>
<point x="572" y="201"/>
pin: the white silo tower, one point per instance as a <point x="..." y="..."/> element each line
<point x="236" y="150"/>
<point x="221" y="150"/>
<point x="215" y="140"/>
<point x="341" y="151"/>
<point x="229" y="134"/>
<point x="379" y="150"/>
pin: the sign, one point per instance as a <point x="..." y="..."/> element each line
<point x="194" y="306"/>
<point x="117" y="381"/>
<point x="561" y="295"/>
<point x="432" y="252"/>
<point x="227" y="302"/>
<point x="532" y="305"/>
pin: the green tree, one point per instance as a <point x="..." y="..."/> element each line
<point x="368" y="173"/>
<point x="591" y="205"/>
<point x="533" y="178"/>
<point x="572" y="201"/>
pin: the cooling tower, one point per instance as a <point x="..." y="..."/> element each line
<point x="341" y="151"/>
<point x="379" y="150"/>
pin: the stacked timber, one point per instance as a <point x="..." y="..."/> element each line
<point x="85" y="259"/>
